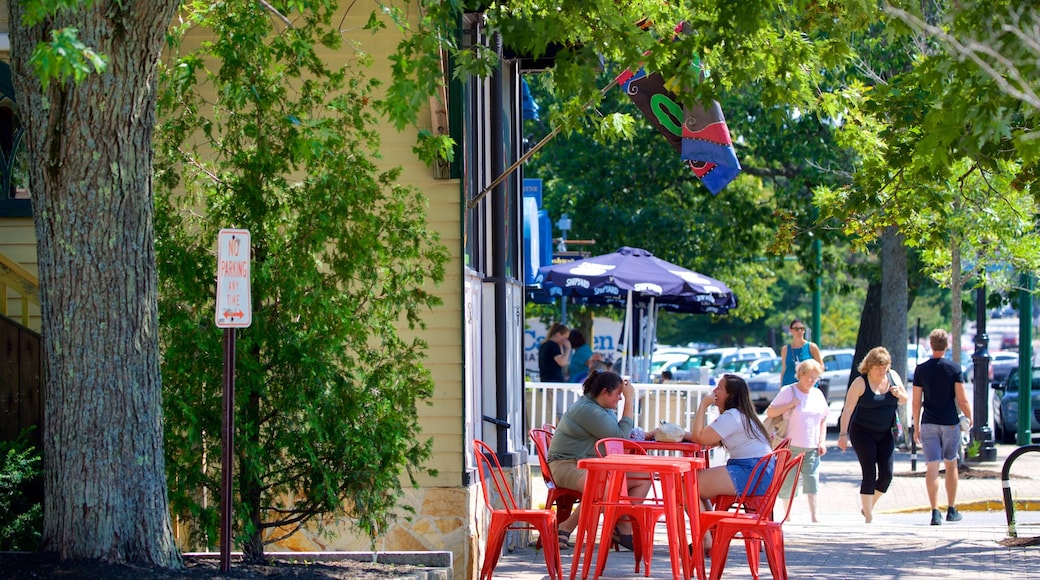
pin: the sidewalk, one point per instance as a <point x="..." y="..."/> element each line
<point x="900" y="543"/>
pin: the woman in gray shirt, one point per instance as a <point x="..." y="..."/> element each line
<point x="593" y="417"/>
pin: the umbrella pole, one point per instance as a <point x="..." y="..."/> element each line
<point x="631" y="334"/>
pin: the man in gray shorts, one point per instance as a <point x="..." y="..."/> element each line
<point x="939" y="392"/>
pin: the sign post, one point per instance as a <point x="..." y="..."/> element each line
<point x="233" y="310"/>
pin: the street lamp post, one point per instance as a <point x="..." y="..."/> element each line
<point x="981" y="433"/>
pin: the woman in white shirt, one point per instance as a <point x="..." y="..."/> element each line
<point x="806" y="409"/>
<point x="741" y="432"/>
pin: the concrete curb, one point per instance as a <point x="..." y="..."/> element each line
<point x="432" y="565"/>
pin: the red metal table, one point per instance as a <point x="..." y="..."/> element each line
<point x="602" y="492"/>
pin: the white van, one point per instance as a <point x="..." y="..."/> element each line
<point x="690" y="369"/>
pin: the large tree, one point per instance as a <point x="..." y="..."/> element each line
<point x="89" y="138"/>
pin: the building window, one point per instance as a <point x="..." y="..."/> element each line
<point x="14" y="175"/>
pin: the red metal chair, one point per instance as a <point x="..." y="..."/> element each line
<point x="562" y="497"/>
<point x="645" y="512"/>
<point x="731" y="502"/>
<point x="512" y="517"/>
<point x="756" y="527"/>
<point x="747" y="502"/>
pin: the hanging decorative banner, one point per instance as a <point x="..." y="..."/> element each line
<point x="699" y="135"/>
<point x="706" y="144"/>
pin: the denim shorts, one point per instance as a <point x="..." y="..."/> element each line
<point x="940" y="442"/>
<point x="740" y="472"/>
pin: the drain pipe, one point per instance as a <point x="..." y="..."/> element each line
<point x="1005" y="482"/>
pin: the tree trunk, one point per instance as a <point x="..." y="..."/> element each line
<point x="894" y="298"/>
<point x="91" y="147"/>
<point x="869" y="334"/>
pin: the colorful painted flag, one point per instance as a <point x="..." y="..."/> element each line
<point x="699" y="135"/>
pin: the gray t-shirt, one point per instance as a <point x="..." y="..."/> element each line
<point x="585" y="423"/>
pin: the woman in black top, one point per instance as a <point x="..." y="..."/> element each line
<point x="870" y="412"/>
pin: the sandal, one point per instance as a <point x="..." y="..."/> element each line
<point x="625" y="541"/>
<point x="564" y="538"/>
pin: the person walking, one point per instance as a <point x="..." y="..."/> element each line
<point x="806" y="409"/>
<point x="938" y="394"/>
<point x="800" y="349"/>
<point x="867" y="421"/>
<point x="554" y="354"/>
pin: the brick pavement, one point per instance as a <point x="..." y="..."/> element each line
<point x="900" y="543"/>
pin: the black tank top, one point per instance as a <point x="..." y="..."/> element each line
<point x="875" y="412"/>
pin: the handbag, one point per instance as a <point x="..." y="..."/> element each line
<point x="777" y="428"/>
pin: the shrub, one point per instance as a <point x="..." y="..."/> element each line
<point x="21" y="514"/>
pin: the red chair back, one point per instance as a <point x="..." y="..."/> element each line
<point x="542" y="438"/>
<point x="616" y="445"/>
<point x="792" y="469"/>
<point x="747" y="500"/>
<point x="564" y="498"/>
<point x="488" y="465"/>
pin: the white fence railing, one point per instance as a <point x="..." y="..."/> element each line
<point x="672" y="402"/>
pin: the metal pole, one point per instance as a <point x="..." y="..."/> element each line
<point x="1025" y="359"/>
<point x="227" y="439"/>
<point x="817" y="310"/>
<point x="981" y="432"/>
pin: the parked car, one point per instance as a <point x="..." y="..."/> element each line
<point x="764" y="387"/>
<point x="748" y="368"/>
<point x="1005" y="406"/>
<point x="1000" y="364"/>
<point x="690" y="370"/>
<point x="837" y="365"/>
<point x="667" y="358"/>
<point x="915" y="355"/>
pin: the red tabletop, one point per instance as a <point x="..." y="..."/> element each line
<point x="687" y="448"/>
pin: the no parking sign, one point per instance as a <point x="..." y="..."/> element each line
<point x="234" y="306"/>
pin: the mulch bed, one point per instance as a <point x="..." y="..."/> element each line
<point x="1020" y="542"/>
<point x="966" y="472"/>
<point x="22" y="566"/>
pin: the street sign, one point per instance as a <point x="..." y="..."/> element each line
<point x="234" y="306"/>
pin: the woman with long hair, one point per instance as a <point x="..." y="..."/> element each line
<point x="739" y="430"/>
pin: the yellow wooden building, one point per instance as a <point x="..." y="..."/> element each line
<point x="475" y="337"/>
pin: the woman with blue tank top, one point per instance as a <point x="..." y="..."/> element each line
<point x="870" y="412"/>
<point x="794" y="353"/>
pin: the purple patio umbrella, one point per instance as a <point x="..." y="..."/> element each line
<point x="633" y="275"/>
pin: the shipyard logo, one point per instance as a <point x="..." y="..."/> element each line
<point x="693" y="278"/>
<point x="577" y="283"/>
<point x="648" y="288"/>
<point x="608" y="289"/>
<point x="591" y="269"/>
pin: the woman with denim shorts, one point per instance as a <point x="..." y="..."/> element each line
<point x="740" y="431"/>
